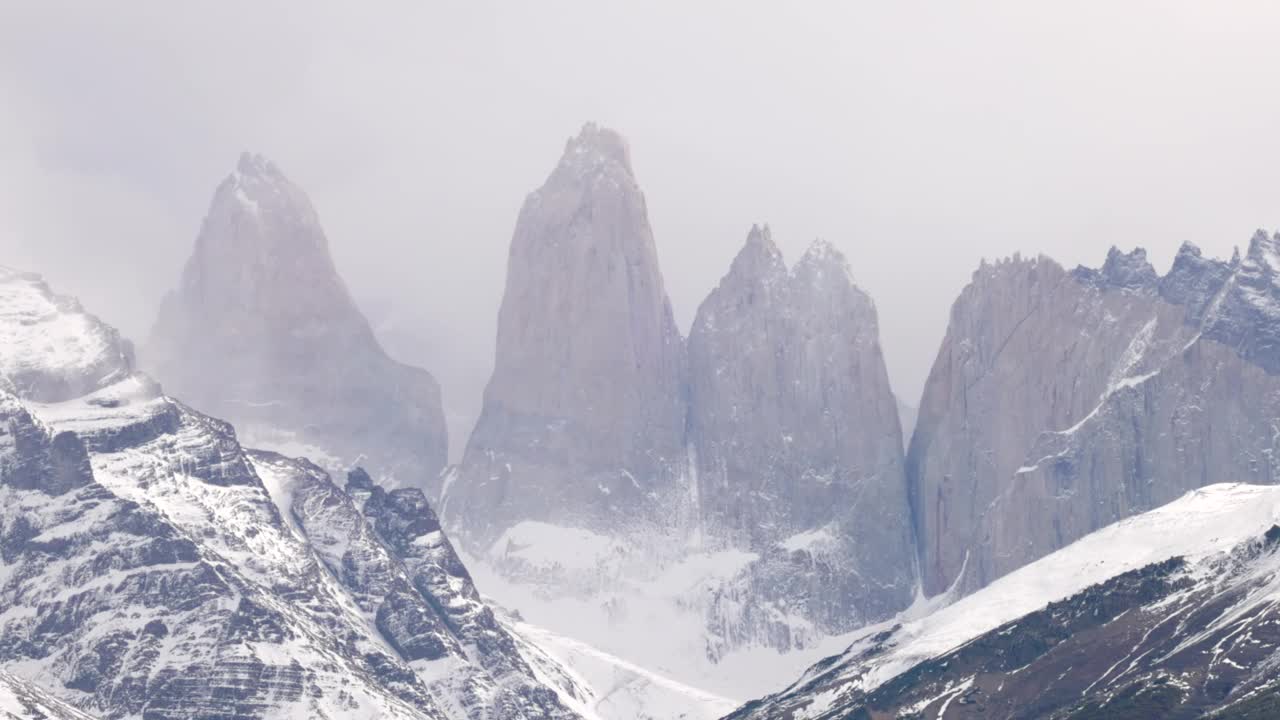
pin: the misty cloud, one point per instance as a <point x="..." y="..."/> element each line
<point x="917" y="138"/>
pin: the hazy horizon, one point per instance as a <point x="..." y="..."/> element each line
<point x="918" y="140"/>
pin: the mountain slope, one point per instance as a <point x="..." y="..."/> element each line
<point x="152" y="566"/>
<point x="145" y="570"/>
<point x="1171" y="613"/>
<point x="298" y="367"/>
<point x="20" y="700"/>
<point x="388" y="551"/>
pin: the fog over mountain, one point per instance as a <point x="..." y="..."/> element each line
<point x="915" y="139"/>
<point x="601" y="360"/>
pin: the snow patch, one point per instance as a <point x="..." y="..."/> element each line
<point x="543" y="545"/>
<point x="810" y="539"/>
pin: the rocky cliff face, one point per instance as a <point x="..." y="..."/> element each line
<point x="149" y="566"/>
<point x="262" y="331"/>
<point x="386" y="548"/>
<point x="796" y="433"/>
<point x="584" y="416"/>
<point x="1063" y="401"/>
<point x="749" y="488"/>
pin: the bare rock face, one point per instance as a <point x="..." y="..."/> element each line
<point x="737" y="376"/>
<point x="1063" y="401"/>
<point x="796" y="433"/>
<point x="751" y="481"/>
<point x="262" y="331"/>
<point x="583" y="419"/>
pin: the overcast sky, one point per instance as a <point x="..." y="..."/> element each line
<point x="917" y="137"/>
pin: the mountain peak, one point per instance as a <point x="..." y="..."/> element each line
<point x="1129" y="269"/>
<point x="821" y="260"/>
<point x="1121" y="270"/>
<point x="577" y="395"/>
<point x="759" y="256"/>
<point x="1264" y="249"/>
<point x="255" y="165"/>
<point x="1188" y="249"/>
<point x="596" y="147"/>
<point x="824" y="252"/>
<point x="277" y="210"/>
<point x="759" y="235"/>
<point x="260" y="291"/>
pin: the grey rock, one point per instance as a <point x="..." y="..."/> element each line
<point x="262" y="331"/>
<point x="774" y="435"/>
<point x="1061" y="402"/>
<point x="583" y="418"/>
<point x="1121" y="271"/>
<point x="1245" y="313"/>
<point x="797" y="437"/>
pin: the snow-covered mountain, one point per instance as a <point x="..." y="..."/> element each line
<point x="1076" y="560"/>
<point x="660" y="528"/>
<point x="743" y="491"/>
<point x="1062" y="401"/>
<point x="151" y="567"/>
<point x="262" y="331"/>
<point x="1171" y="613"/>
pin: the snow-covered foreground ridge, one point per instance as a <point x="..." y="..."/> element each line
<point x="150" y="566"/>
<point x="21" y="700"/>
<point x="1199" y="527"/>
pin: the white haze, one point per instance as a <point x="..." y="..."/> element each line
<point x="917" y="137"/>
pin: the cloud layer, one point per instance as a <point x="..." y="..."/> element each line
<point x="917" y="137"/>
